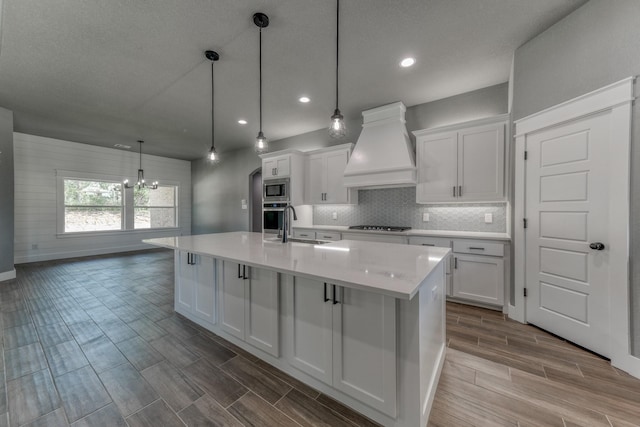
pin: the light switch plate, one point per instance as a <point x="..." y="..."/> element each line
<point x="425" y="217"/>
<point x="488" y="218"/>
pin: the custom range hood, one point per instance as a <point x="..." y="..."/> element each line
<point x="383" y="156"/>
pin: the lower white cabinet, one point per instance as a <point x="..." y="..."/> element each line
<point x="195" y="294"/>
<point x="249" y="308"/>
<point x="346" y="338"/>
<point x="442" y="243"/>
<point x="478" y="278"/>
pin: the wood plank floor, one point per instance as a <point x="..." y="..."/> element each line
<point x="95" y="342"/>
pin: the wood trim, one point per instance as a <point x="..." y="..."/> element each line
<point x="617" y="98"/>
<point x="461" y="125"/>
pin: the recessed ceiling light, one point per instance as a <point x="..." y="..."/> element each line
<point x="407" y="62"/>
<point x="304" y="99"/>
<point x="242" y="121"/>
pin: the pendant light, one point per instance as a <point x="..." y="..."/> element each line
<point x="337" y="128"/>
<point x="141" y="182"/>
<point x="262" y="21"/>
<point x="213" y="156"/>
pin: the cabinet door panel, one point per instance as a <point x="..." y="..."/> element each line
<point x="232" y="300"/>
<point x="205" y="298"/>
<point x="315" y="179"/>
<point x="437" y="167"/>
<point x="262" y="311"/>
<point x="335" y="190"/>
<point x="283" y="166"/>
<point x="185" y="283"/>
<point x="269" y="168"/>
<point x="310" y="326"/>
<point x="364" y="348"/>
<point x="481" y="163"/>
<point x="479" y="278"/>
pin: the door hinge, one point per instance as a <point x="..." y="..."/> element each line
<point x="525" y="222"/>
<point x="525" y="292"/>
<point x="526" y="155"/>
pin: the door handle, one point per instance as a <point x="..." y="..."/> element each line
<point x="188" y="258"/>
<point x="459" y="190"/>
<point x="335" y="298"/>
<point x="244" y="272"/>
<point x="454" y="191"/>
<point x="325" y="292"/>
<point x="475" y="248"/>
<point x="428" y="244"/>
<point x="239" y="275"/>
<point x="455" y="262"/>
<point x="597" y="246"/>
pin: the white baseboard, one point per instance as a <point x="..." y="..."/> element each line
<point x="8" y="275"/>
<point x="80" y="253"/>
<point x="630" y="364"/>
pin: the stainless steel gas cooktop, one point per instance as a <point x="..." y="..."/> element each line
<point x="378" y="228"/>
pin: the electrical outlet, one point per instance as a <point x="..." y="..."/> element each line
<point x="34" y="246"/>
<point x="334" y="215"/>
<point x="425" y="217"/>
<point x="243" y="203"/>
<point x="488" y="218"/>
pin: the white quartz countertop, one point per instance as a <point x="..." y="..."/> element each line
<point x="426" y="233"/>
<point x="394" y="270"/>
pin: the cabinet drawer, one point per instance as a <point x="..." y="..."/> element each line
<point x="304" y="234"/>
<point x="430" y="241"/>
<point x="327" y="235"/>
<point x="478" y="247"/>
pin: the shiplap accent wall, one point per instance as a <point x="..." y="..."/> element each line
<point x="36" y="160"/>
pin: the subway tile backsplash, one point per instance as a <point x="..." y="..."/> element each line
<point x="398" y="207"/>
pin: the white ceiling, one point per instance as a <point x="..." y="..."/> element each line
<point x="108" y="72"/>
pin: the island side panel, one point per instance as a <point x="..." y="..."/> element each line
<point x="421" y="349"/>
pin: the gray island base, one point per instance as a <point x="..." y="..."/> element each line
<point x="362" y="322"/>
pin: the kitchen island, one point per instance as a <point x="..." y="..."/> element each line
<point x="357" y="321"/>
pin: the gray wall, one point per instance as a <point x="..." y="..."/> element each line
<point x="6" y="190"/>
<point x="596" y="45"/>
<point x="217" y="191"/>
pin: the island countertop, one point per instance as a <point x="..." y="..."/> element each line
<point x="394" y="270"/>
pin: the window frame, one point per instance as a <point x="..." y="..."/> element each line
<point x="176" y="188"/>
<point x="128" y="208"/>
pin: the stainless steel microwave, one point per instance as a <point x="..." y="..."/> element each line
<point x="276" y="190"/>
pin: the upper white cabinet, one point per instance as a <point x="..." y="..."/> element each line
<point x="276" y="167"/>
<point x="195" y="295"/>
<point x="463" y="162"/>
<point x="324" y="178"/>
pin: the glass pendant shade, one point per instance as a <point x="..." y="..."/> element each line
<point x="213" y="156"/>
<point x="262" y="145"/>
<point x="337" y="129"/>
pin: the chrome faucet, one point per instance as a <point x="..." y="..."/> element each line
<point x="285" y="222"/>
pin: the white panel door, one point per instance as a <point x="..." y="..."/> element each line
<point x="478" y="278"/>
<point x="364" y="347"/>
<point x="314" y="185"/>
<point x="232" y="298"/>
<point x="567" y="209"/>
<point x="437" y="168"/>
<point x="335" y="164"/>
<point x="283" y="166"/>
<point x="205" y="298"/>
<point x="185" y="283"/>
<point x="481" y="163"/>
<point x="310" y="326"/>
<point x="261" y="310"/>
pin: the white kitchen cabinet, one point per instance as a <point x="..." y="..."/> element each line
<point x="462" y="163"/>
<point x="479" y="278"/>
<point x="249" y="305"/>
<point x="375" y="237"/>
<point x="346" y="338"/>
<point x="195" y="295"/>
<point x="324" y="178"/>
<point x="311" y="234"/>
<point x="276" y="167"/>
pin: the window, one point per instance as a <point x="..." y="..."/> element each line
<point x="92" y="206"/>
<point x="155" y="208"/>
<point x="99" y="203"/>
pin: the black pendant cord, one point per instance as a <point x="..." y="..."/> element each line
<point x="140" y="145"/>
<point x="260" y="72"/>
<point x="213" y="146"/>
<point x="337" y="46"/>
